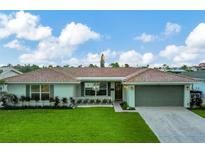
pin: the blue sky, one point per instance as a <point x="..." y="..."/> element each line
<point x="79" y="37"/>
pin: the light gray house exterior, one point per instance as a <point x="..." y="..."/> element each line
<point x="136" y="86"/>
<point x="6" y="72"/>
<point x="199" y="76"/>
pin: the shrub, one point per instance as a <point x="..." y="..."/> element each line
<point x="92" y="101"/>
<point x="79" y="101"/>
<point x="51" y="99"/>
<point x="72" y="100"/>
<point x="85" y="101"/>
<point x="105" y="101"/>
<point x="124" y="105"/>
<point x="15" y="99"/>
<point x="65" y="100"/>
<point x="110" y="101"/>
<point x="36" y="99"/>
<point x="28" y="99"/>
<point x="98" y="101"/>
<point x="23" y="99"/>
<point x="57" y="101"/>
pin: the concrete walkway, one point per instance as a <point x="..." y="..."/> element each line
<point x="174" y="124"/>
<point x="117" y="107"/>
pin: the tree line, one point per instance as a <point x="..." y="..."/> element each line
<point x="28" y="67"/>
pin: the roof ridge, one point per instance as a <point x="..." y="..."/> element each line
<point x="136" y="73"/>
<point x="61" y="70"/>
<point x="178" y="75"/>
<point x="23" y="74"/>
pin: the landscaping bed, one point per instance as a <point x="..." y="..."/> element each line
<point x="82" y="125"/>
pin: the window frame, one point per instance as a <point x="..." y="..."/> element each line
<point x="96" y="90"/>
<point x="40" y="91"/>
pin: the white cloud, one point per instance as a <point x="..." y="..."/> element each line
<point x="192" y="52"/>
<point x="172" y="28"/>
<point x="197" y="37"/>
<point x="23" y="25"/>
<point x="15" y="44"/>
<point x="134" y="58"/>
<point x="77" y="33"/>
<point x="62" y="47"/>
<point x="144" y="37"/>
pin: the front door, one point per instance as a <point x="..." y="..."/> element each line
<point x="118" y="91"/>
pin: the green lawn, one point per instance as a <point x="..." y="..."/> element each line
<point x="199" y="112"/>
<point x="82" y="125"/>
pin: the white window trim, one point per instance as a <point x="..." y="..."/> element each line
<point x="96" y="93"/>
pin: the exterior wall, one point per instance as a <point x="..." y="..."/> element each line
<point x="200" y="86"/>
<point x="78" y="91"/>
<point x="65" y="90"/>
<point x="17" y="89"/>
<point x="130" y="95"/>
<point x="187" y="95"/>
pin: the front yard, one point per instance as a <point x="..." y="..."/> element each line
<point x="82" y="125"/>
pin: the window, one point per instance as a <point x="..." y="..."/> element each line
<point x="1" y="89"/>
<point x="103" y="89"/>
<point x="40" y="92"/>
<point x="44" y="92"/>
<point x="96" y="89"/>
<point x="35" y="92"/>
<point x="89" y="92"/>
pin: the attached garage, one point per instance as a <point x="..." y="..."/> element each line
<point x="159" y="95"/>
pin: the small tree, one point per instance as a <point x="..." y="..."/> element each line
<point x="2" y="82"/>
<point x="115" y="65"/>
<point x="102" y="61"/>
<point x="186" y="68"/>
<point x="92" y="65"/>
<point x="127" y="65"/>
<point x="165" y="67"/>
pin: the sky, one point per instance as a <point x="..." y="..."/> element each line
<point x="137" y="38"/>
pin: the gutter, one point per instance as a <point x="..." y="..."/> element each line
<point x="157" y="83"/>
<point x="77" y="82"/>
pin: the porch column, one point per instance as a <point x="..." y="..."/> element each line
<point x="187" y="95"/>
<point x="112" y="93"/>
<point x="131" y="95"/>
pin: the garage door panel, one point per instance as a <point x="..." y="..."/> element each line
<point x="159" y="95"/>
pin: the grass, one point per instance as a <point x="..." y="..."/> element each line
<point x="82" y="125"/>
<point x="200" y="112"/>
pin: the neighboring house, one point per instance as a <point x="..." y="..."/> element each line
<point x="137" y="86"/>
<point x="176" y="70"/>
<point x="200" y="77"/>
<point x="201" y="66"/>
<point x="6" y="72"/>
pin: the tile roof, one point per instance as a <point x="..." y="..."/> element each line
<point x="154" y="75"/>
<point x="101" y="72"/>
<point x="200" y="74"/>
<point x="42" y="75"/>
<point x="71" y="74"/>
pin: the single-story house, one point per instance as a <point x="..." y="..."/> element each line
<point x="200" y="77"/>
<point x="136" y="86"/>
<point x="6" y="72"/>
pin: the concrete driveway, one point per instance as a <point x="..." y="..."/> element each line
<point x="174" y="124"/>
